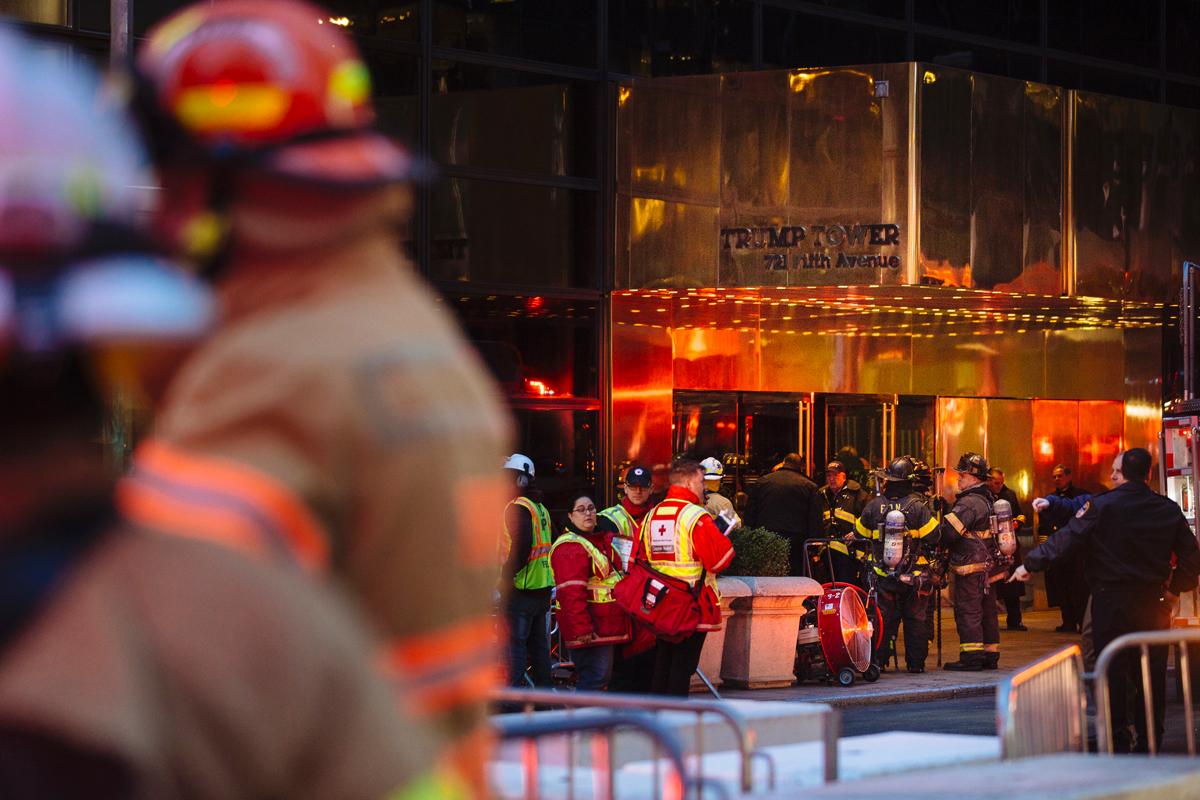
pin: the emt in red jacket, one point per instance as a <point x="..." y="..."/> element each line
<point x="583" y="561"/>
<point x="680" y="539"/>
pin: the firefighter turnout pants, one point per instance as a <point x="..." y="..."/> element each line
<point x="975" y="618"/>
<point x="900" y="602"/>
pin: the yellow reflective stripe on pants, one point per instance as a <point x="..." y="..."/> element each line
<point x="971" y="647"/>
<point x="992" y="648"/>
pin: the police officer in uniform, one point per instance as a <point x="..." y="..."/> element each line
<point x="900" y="596"/>
<point x="966" y="531"/>
<point x="1127" y="539"/>
<point x="844" y="501"/>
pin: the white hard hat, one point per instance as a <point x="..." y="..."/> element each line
<point x="714" y="470"/>
<point x="520" y="463"/>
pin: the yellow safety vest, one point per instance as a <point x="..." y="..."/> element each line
<point x="627" y="532"/>
<point x="603" y="578"/>
<point x="536" y="573"/>
<point x="667" y="529"/>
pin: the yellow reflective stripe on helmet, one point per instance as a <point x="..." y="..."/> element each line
<point x="227" y="105"/>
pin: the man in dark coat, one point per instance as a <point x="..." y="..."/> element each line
<point x="1010" y="593"/>
<point x="1139" y="555"/>
<point x="1065" y="586"/>
<point x="786" y="502"/>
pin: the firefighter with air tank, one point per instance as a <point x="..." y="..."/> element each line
<point x="897" y="527"/>
<point x="978" y="532"/>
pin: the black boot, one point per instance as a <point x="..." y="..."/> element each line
<point x="991" y="661"/>
<point x="916" y="669"/>
<point x="964" y="665"/>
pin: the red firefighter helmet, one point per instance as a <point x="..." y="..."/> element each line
<point x="271" y="82"/>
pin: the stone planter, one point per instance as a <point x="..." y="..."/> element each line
<point x="760" y="639"/>
<point x="714" y="644"/>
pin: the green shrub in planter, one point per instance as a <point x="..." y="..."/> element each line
<point x="759" y="553"/>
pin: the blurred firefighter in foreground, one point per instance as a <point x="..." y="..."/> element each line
<point x="135" y="665"/>
<point x="336" y="419"/>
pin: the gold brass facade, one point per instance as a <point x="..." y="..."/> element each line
<point x="1011" y="250"/>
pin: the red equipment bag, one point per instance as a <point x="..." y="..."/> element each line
<point x="667" y="606"/>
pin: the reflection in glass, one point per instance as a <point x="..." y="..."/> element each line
<point x="796" y="39"/>
<point x="1109" y="29"/>
<point x="543" y="30"/>
<point x="1018" y="20"/>
<point x="536" y="347"/>
<point x="680" y="37"/>
<point x="394" y="90"/>
<point x="511" y="233"/>
<point x="549" y="123"/>
<point x="990" y="211"/>
<point x="564" y="447"/>
<point x="46" y="12"/>
<point x="1136" y="195"/>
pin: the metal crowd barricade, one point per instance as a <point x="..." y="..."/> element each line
<point x="666" y="744"/>
<point x="1042" y="708"/>
<point x="1144" y="640"/>
<point x="743" y="734"/>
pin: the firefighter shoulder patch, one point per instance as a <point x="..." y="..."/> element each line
<point x="1086" y="505"/>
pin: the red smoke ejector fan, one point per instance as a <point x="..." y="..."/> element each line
<point x="845" y="633"/>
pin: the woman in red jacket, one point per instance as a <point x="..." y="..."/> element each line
<point x="584" y="573"/>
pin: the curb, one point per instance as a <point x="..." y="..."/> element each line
<point x="910" y="695"/>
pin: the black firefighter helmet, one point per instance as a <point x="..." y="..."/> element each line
<point x="900" y="469"/>
<point x="922" y="476"/>
<point x="973" y="464"/>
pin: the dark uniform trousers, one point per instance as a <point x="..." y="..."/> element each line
<point x="976" y="619"/>
<point x="899" y="601"/>
<point x="1120" y="611"/>
<point x="674" y="663"/>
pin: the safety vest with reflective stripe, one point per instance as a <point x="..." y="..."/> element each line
<point x="667" y="538"/>
<point x="627" y="531"/>
<point x="603" y="577"/>
<point x="536" y="573"/>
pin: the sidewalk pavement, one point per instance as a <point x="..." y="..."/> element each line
<point x="1017" y="648"/>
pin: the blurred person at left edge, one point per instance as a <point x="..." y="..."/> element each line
<point x="336" y="419"/>
<point x="132" y="664"/>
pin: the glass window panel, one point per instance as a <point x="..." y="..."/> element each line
<point x="47" y="12"/>
<point x="511" y="233"/>
<point x="543" y="30"/>
<point x="979" y="59"/>
<point x="565" y="448"/>
<point x="680" y="37"/>
<point x="394" y="83"/>
<point x="1183" y="94"/>
<point x="536" y="347"/>
<point x="793" y="39"/>
<point x="1111" y="29"/>
<point x="1006" y="19"/>
<point x="1073" y="76"/>
<point x="148" y="12"/>
<point x="1183" y="28"/>
<point x="549" y="124"/>
<point x="92" y="15"/>
<point x="376" y="18"/>
<point x="880" y="8"/>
